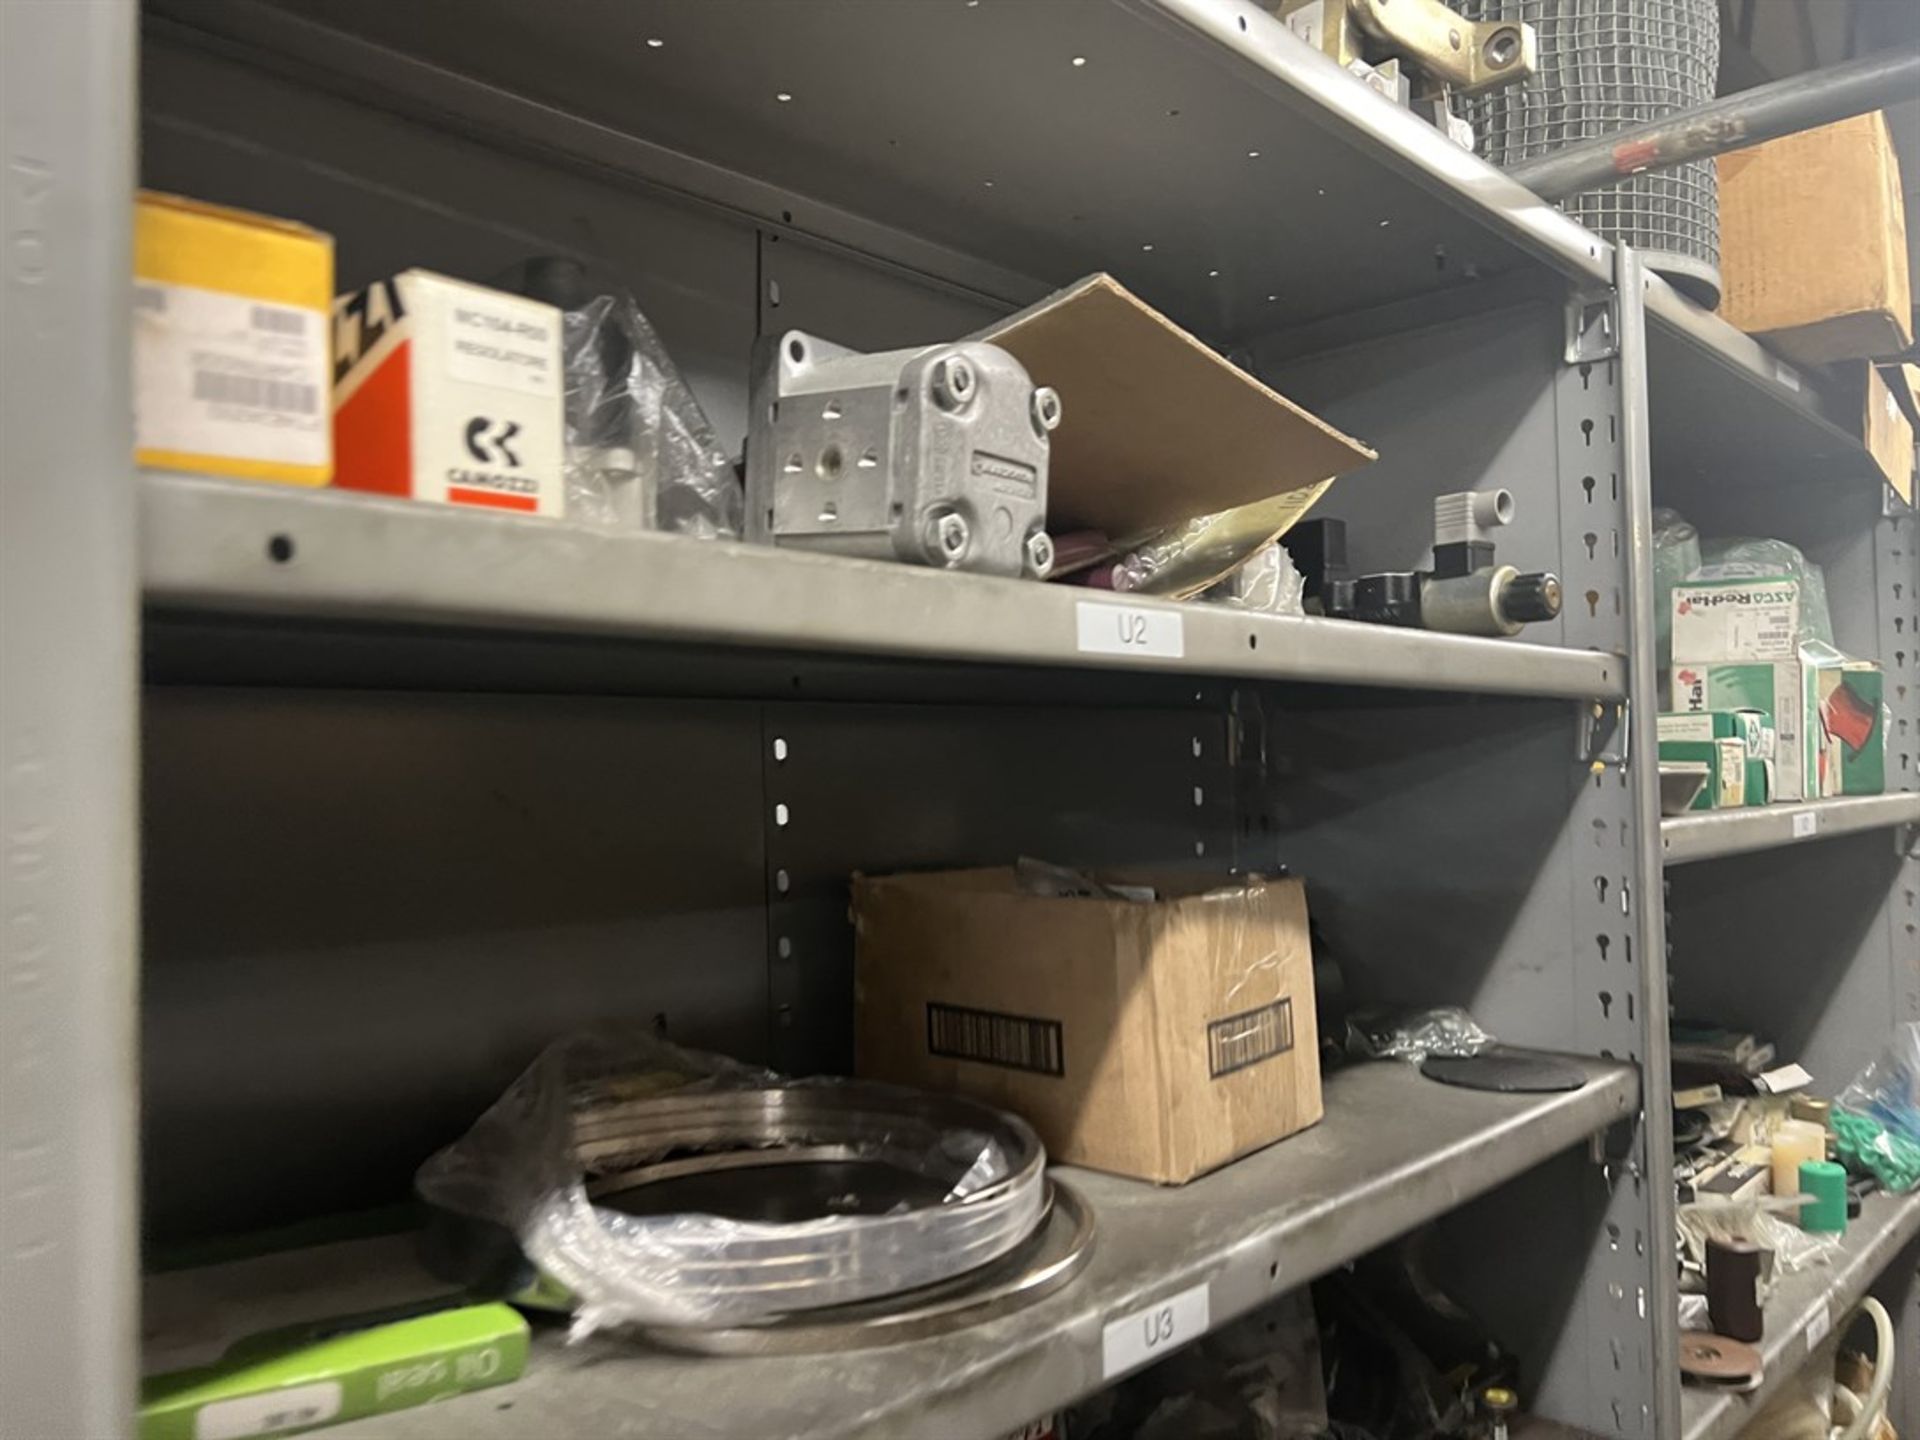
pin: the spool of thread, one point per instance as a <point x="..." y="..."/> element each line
<point x="1733" y="1289"/>
<point x="1795" y="1143"/>
<point x="1826" y="1212"/>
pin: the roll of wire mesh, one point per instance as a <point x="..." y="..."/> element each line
<point x="1605" y="65"/>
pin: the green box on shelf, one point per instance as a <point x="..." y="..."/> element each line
<point x="1752" y="728"/>
<point x="1773" y="687"/>
<point x="1846" y="734"/>
<point x="1726" y="762"/>
<point x="304" y="1377"/>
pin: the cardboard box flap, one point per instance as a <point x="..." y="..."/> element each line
<point x="1155" y="427"/>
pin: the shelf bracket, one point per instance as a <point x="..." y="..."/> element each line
<point x="1604" y="733"/>
<point x="1593" y="327"/>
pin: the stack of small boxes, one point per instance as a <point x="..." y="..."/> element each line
<point x="418" y="386"/>
<point x="1774" y="716"/>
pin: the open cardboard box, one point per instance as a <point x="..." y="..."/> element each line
<point x="1156" y="427"/>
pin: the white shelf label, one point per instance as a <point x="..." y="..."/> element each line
<point x="1818" y="1324"/>
<point x="1805" y="823"/>
<point x="1130" y="630"/>
<point x="272" y="1412"/>
<point x="1145" y="1335"/>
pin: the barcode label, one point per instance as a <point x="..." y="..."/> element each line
<point x="1016" y="1042"/>
<point x="1246" y="1039"/>
<point x="276" y="320"/>
<point x="221" y="387"/>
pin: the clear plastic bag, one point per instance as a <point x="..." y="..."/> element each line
<point x="641" y="454"/>
<point x="1767" y="1221"/>
<point x="1676" y="555"/>
<point x="1386" y="1033"/>
<point x="1266" y="584"/>
<point x="1876" y="1119"/>
<point x="605" y="1102"/>
<point x="1749" y="559"/>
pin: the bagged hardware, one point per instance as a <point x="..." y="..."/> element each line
<point x="1877" y="1117"/>
<point x="613" y="1111"/>
<point x="641" y="454"/>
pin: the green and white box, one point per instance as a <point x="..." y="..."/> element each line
<point x="1726" y="762"/>
<point x="308" y="1376"/>
<point x="1770" y="686"/>
<point x="1752" y="728"/>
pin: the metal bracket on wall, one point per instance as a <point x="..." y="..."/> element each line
<point x="1605" y="735"/>
<point x="1593" y="328"/>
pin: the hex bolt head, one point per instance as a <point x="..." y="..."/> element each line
<point x="947" y="537"/>
<point x="953" y="382"/>
<point x="1046" y="409"/>
<point x="1039" y="555"/>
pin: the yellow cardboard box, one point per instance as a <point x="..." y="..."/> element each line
<point x="232" y="358"/>
<point x="1813" y="243"/>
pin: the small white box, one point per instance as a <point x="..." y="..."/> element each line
<point x="449" y="392"/>
<point x="1716" y="620"/>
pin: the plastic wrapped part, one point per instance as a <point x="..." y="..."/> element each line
<point x="640" y="451"/>
<point x="1266" y="584"/>
<point x="1767" y="1221"/>
<point x="1388" y="1033"/>
<point x="1676" y="555"/>
<point x="1748" y="559"/>
<point x="1876" y="1119"/>
<point x="1184" y="559"/>
<point x="591" y="1156"/>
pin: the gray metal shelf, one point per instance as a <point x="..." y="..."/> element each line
<point x="1803" y="1311"/>
<point x="1394" y="1151"/>
<point x="1196" y="148"/>
<point x="1726" y="410"/>
<point x="210" y="546"/>
<point x="1713" y="833"/>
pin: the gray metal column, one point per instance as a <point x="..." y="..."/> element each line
<point x="1643" y="774"/>
<point x="68" y="697"/>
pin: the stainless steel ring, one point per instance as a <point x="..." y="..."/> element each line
<point x="1057" y="1251"/>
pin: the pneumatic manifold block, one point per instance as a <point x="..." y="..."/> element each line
<point x="935" y="456"/>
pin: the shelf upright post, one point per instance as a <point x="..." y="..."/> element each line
<point x="68" y="722"/>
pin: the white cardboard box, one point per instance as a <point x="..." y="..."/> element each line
<point x="1716" y="620"/>
<point x="449" y="392"/>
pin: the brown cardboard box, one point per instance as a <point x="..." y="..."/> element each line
<point x="1140" y="398"/>
<point x="1150" y="1038"/>
<point x="1885" y="428"/>
<point x="1813" y="243"/>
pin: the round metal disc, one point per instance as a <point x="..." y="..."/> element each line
<point x="1717" y="1359"/>
<point x="1509" y="1071"/>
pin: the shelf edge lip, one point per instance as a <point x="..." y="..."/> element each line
<point x="204" y="548"/>
<point x="1245" y="32"/>
<point x="1721" y="1416"/>
<point x="1714" y="833"/>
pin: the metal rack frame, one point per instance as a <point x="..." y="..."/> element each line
<point x="1660" y="388"/>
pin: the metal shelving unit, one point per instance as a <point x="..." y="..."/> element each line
<point x="1714" y="833"/>
<point x="488" y="681"/>
<point x="1808" y="1305"/>
<point x="214" y="548"/>
<point x="1394" y="1151"/>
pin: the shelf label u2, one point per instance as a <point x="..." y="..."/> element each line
<point x="1106" y="629"/>
<point x="1155" y="1330"/>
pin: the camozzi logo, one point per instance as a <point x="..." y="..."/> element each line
<point x="490" y="442"/>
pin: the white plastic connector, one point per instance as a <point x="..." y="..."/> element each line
<point x="1469" y="514"/>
